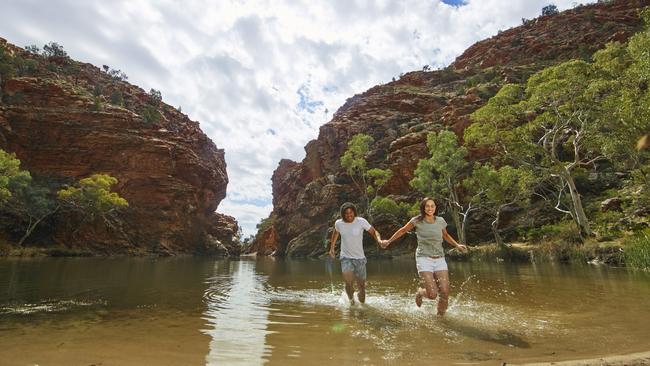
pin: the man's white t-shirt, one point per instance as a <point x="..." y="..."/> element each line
<point x="352" y="237"/>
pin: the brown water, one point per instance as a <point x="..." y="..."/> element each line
<point x="291" y="312"/>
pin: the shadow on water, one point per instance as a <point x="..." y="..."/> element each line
<point x="501" y="336"/>
<point x="375" y="317"/>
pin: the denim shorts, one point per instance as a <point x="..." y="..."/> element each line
<point x="356" y="266"/>
<point x="428" y="264"/>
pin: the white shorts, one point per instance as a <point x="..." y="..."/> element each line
<point x="428" y="264"/>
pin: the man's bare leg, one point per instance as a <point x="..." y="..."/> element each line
<point x="362" y="290"/>
<point x="348" y="278"/>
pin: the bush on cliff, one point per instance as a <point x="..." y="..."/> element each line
<point x="93" y="196"/>
<point x="367" y="181"/>
<point x="387" y="208"/>
<point x="26" y="204"/>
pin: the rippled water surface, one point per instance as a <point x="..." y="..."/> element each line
<point x="125" y="311"/>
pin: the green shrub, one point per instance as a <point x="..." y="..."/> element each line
<point x="7" y="68"/>
<point x="387" y="207"/>
<point x="566" y="232"/>
<point x="117" y="98"/>
<point x="97" y="104"/>
<point x="150" y="115"/>
<point x="637" y="250"/>
<point x="265" y="224"/>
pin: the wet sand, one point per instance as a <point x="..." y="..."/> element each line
<point x="632" y="359"/>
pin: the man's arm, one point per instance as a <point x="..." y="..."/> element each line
<point x="335" y="236"/>
<point x="375" y="234"/>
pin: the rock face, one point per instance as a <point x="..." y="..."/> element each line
<point x="266" y="243"/>
<point x="63" y="127"/>
<point x="400" y="114"/>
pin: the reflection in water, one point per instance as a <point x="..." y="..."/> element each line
<point x="294" y="312"/>
<point x="237" y="309"/>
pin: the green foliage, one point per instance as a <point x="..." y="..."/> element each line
<point x="93" y="196"/>
<point x="155" y="97"/>
<point x="150" y="115"/>
<point x="438" y="176"/>
<point x="387" y="207"/>
<point x="116" y="75"/>
<point x="264" y="224"/>
<point x="641" y="179"/>
<point x="637" y="250"/>
<point x="354" y="158"/>
<point x="25" y="67"/>
<point x="20" y="198"/>
<point x="549" y="10"/>
<point x="490" y="74"/>
<point x="368" y="181"/>
<point x="503" y="186"/>
<point x="15" y="65"/>
<point x="494" y="121"/>
<point x="54" y="49"/>
<point x="26" y="204"/>
<point x="117" y="98"/>
<point x="563" y="232"/>
<point x="7" y="69"/>
<point x="98" y="90"/>
<point x="376" y="178"/>
<point x="97" y="104"/>
<point x="12" y="178"/>
<point x="33" y="49"/>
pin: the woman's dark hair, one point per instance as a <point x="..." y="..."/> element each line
<point x="347" y="205"/>
<point x="424" y="203"/>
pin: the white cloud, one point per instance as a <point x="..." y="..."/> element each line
<point x="241" y="67"/>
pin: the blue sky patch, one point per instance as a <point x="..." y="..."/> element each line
<point x="306" y="103"/>
<point x="455" y="2"/>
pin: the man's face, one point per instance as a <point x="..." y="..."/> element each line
<point x="348" y="215"/>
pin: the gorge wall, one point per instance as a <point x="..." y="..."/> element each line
<point x="67" y="120"/>
<point x="400" y="114"/>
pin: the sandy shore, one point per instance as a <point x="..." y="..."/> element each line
<point x="632" y="359"/>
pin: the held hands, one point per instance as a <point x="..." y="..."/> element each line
<point x="384" y="243"/>
<point x="462" y="248"/>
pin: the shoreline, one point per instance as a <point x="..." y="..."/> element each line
<point x="630" y="359"/>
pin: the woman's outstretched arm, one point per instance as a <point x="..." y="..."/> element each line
<point x="398" y="234"/>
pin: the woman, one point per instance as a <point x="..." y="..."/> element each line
<point x="431" y="230"/>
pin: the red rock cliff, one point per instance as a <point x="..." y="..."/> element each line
<point x="61" y="124"/>
<point x="398" y="115"/>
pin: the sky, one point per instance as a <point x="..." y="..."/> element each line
<point x="261" y="76"/>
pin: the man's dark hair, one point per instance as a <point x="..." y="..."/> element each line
<point x="347" y="205"/>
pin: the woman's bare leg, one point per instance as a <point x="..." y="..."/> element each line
<point x="428" y="288"/>
<point x="442" y="281"/>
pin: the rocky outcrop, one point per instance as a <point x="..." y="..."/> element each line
<point x="64" y="124"/>
<point x="398" y="115"/>
<point x="265" y="243"/>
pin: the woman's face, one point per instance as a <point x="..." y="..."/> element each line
<point x="348" y="215"/>
<point x="429" y="208"/>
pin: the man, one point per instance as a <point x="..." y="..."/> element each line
<point x="353" y="259"/>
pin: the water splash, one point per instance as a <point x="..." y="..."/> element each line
<point x="47" y="306"/>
